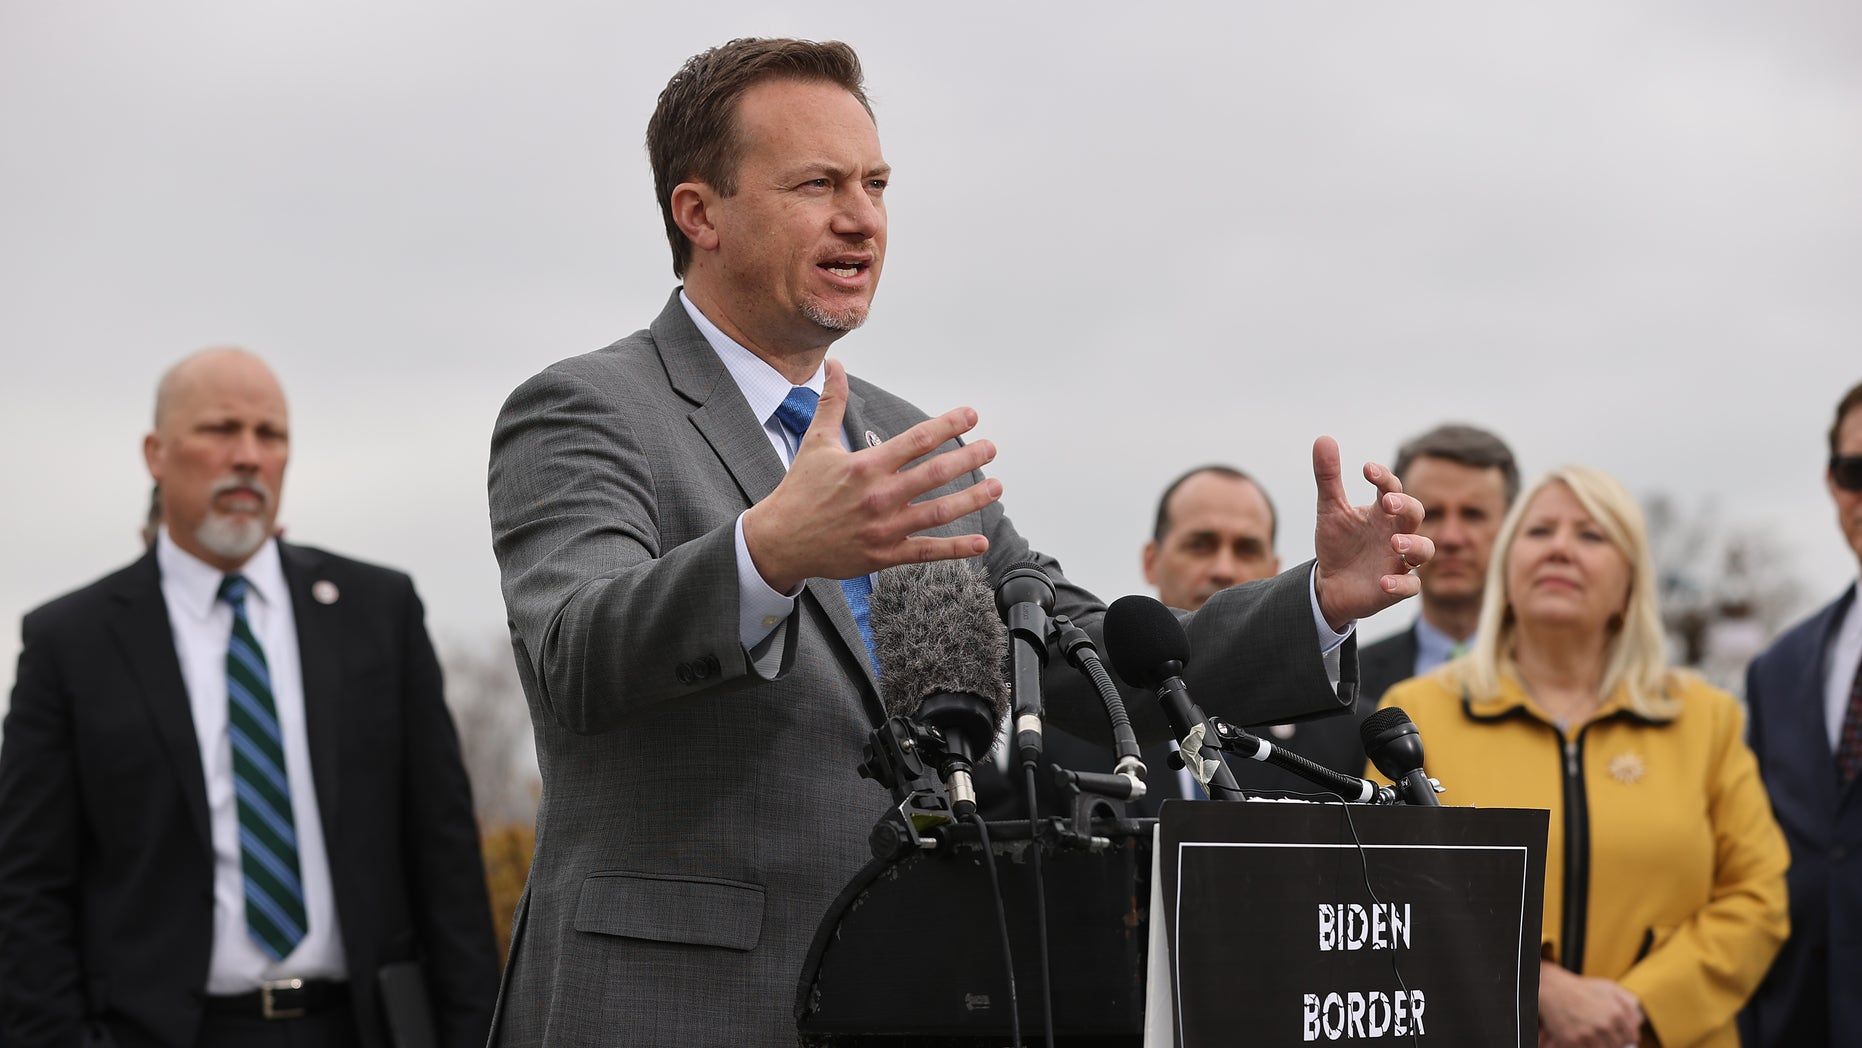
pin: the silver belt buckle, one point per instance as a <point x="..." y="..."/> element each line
<point x="270" y="1010"/>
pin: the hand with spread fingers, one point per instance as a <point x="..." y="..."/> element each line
<point x="1365" y="553"/>
<point x="839" y="514"/>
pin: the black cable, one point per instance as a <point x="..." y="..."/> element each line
<point x="1365" y="862"/>
<point x="1002" y="928"/>
<point x="1040" y="903"/>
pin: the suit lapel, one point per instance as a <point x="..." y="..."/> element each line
<point x="319" y="652"/>
<point x="724" y="419"/>
<point x="143" y="632"/>
<point x="721" y="415"/>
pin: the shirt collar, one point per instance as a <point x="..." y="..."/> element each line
<point x="763" y="386"/>
<point x="197" y="583"/>
<point x="1432" y="645"/>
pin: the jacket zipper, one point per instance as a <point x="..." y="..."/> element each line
<point x="1577" y="852"/>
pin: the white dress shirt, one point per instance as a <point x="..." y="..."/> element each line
<point x="760" y="608"/>
<point x="202" y="626"/>
<point x="1845" y="657"/>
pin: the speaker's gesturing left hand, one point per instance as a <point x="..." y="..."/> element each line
<point x="1365" y="553"/>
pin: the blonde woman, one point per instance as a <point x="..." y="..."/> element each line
<point x="1664" y="879"/>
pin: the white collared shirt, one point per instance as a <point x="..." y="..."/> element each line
<point x="1845" y="657"/>
<point x="760" y="609"/>
<point x="202" y="626"/>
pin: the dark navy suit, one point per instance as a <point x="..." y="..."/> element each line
<point x="1813" y="995"/>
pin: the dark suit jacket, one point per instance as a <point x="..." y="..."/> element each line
<point x="1822" y="823"/>
<point x="106" y="865"/>
<point x="698" y="816"/>
<point x="1382" y="665"/>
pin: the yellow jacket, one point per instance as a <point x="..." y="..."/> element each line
<point x="1665" y="872"/>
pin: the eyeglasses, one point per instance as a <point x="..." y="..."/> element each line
<point x="1846" y="471"/>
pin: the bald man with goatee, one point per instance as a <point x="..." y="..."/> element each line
<point x="232" y="807"/>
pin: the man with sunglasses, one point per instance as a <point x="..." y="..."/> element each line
<point x="1805" y="697"/>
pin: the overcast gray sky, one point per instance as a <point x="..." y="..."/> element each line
<point x="1134" y="237"/>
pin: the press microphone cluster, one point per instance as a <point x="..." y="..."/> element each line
<point x="1025" y="599"/>
<point x="936" y="635"/>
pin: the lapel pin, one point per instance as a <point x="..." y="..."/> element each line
<point x="872" y="439"/>
<point x="324" y="591"/>
<point x="1627" y="768"/>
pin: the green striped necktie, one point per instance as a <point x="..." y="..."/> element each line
<point x="267" y="837"/>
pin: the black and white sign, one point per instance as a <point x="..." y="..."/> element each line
<point x="1285" y="926"/>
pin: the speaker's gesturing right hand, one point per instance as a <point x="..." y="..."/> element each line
<point x="841" y="514"/>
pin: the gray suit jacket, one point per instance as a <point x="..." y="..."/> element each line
<point x="697" y="818"/>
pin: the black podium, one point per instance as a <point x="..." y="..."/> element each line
<point x="1263" y="924"/>
<point x="909" y="953"/>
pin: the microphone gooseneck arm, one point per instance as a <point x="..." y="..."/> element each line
<point x="1079" y="652"/>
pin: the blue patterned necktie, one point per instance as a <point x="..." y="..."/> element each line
<point x="795" y="413"/>
<point x="267" y="836"/>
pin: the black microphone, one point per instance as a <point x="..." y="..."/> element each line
<point x="1392" y="743"/>
<point x="936" y="635"/>
<point x="1148" y="648"/>
<point x="1024" y="597"/>
<point x="1349" y="788"/>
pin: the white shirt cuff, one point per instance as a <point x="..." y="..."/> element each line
<point x="759" y="609"/>
<point x="1329" y="640"/>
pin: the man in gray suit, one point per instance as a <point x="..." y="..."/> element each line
<point x="687" y="523"/>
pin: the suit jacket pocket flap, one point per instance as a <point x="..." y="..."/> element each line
<point x="699" y="910"/>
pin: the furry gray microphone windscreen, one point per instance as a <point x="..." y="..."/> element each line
<point x="936" y="632"/>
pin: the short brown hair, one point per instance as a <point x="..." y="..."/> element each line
<point x="1850" y="402"/>
<point x="1468" y="445"/>
<point x="693" y="132"/>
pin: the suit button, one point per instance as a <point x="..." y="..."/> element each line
<point x="685" y="673"/>
<point x="711" y="666"/>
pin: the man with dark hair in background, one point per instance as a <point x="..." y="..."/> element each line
<point x="1216" y="527"/>
<point x="231" y="796"/>
<point x="687" y="524"/>
<point x="1466" y="479"/>
<point x="1804" y="700"/>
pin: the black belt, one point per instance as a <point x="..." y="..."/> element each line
<point x="283" y="999"/>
